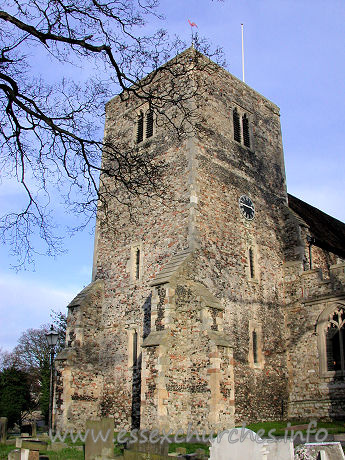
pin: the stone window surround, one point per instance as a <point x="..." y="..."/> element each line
<point x="242" y="111"/>
<point x="252" y="245"/>
<point x="255" y="326"/>
<point x="132" y="329"/>
<point x="321" y="328"/>
<point x="133" y="262"/>
<point x="144" y="108"/>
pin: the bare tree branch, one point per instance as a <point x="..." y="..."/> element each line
<point x="51" y="131"/>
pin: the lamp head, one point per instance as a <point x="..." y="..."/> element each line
<point x="52" y="337"/>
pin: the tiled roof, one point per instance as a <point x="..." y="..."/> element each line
<point x="329" y="233"/>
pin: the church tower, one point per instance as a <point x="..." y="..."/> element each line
<point x="183" y="321"/>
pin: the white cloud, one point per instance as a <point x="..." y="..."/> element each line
<point x="27" y="303"/>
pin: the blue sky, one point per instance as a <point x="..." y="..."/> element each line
<point x="294" y="56"/>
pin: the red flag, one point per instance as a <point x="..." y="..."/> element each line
<point x="192" y="24"/>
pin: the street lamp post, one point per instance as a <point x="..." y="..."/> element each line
<point x="52" y="337"/>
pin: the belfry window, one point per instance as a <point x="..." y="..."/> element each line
<point x="144" y="124"/>
<point x="140" y="128"/>
<point x="245" y="131"/>
<point x="237" y="126"/>
<point x="335" y="341"/>
<point x="149" y="124"/>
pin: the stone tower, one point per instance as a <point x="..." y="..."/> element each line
<point x="184" y="322"/>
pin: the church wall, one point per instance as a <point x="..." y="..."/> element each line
<point x="160" y="230"/>
<point x="227" y="170"/>
<point x="268" y="299"/>
<point x="313" y="392"/>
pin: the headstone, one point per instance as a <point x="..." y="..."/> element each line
<point x="32" y="444"/>
<point x="57" y="446"/>
<point x="158" y="448"/>
<point x="3" y="429"/>
<point x="280" y="450"/>
<point x="326" y="450"/>
<point x="147" y="451"/>
<point x="99" y="442"/>
<point x="14" y="455"/>
<point x="241" y="443"/>
<point x="34" y="455"/>
<point x="33" y="429"/>
<point x="24" y="454"/>
<point x="200" y="454"/>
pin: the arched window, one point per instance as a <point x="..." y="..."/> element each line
<point x="237" y="126"/>
<point x="330" y="329"/>
<point x="149" y="124"/>
<point x="140" y="127"/>
<point x="335" y="341"/>
<point x="245" y="130"/>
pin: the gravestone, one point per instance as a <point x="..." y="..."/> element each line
<point x="147" y="451"/>
<point x="99" y="443"/>
<point x="3" y="429"/>
<point x="240" y="444"/>
<point x="326" y="450"/>
<point x="14" y="455"/>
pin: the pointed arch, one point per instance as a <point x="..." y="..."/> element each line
<point x="331" y="334"/>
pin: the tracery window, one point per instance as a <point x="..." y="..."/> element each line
<point x="335" y="341"/>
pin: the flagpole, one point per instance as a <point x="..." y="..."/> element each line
<point x="242" y="55"/>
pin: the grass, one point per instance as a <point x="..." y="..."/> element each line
<point x="280" y="426"/>
<point x="5" y="450"/>
<point x="189" y="446"/>
<point x="71" y="453"/>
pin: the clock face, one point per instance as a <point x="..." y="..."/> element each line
<point x="246" y="207"/>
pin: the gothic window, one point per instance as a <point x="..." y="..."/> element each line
<point x="330" y="329"/>
<point x="245" y="130"/>
<point x="335" y="341"/>
<point x="149" y="124"/>
<point x="237" y="126"/>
